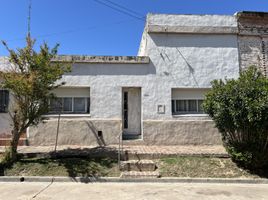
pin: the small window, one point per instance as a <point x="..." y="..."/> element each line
<point x="56" y="104"/>
<point x="79" y="104"/>
<point x="88" y="105"/>
<point x="181" y="105"/>
<point x="173" y="105"/>
<point x="67" y="104"/>
<point x="70" y="105"/>
<point x="190" y="106"/>
<point x="4" y="101"/>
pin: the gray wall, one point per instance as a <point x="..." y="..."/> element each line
<point x="5" y="124"/>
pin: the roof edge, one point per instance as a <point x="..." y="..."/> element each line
<point x="102" y="59"/>
<point x="251" y="14"/>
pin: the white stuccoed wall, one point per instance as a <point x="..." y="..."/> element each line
<point x="5" y="123"/>
<point x="176" y="61"/>
<point x="190" y="61"/>
<point x="106" y="85"/>
<point x="192" y="20"/>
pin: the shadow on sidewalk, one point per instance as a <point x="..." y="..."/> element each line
<point x="88" y="164"/>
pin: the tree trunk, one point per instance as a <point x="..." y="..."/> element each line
<point x="14" y="144"/>
<point x="11" y="153"/>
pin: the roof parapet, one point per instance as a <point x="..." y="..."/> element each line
<point x="192" y="29"/>
<point x="251" y="14"/>
<point x="102" y="59"/>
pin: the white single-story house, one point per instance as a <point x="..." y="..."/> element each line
<point x="154" y="98"/>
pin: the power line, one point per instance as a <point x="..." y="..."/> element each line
<point x="123" y="7"/>
<point x="120" y="10"/>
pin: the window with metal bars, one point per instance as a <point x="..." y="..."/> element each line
<point x="188" y="106"/>
<point x="4" y="101"/>
<point x="75" y="105"/>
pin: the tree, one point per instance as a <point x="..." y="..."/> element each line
<point x="30" y="79"/>
<point x="239" y="109"/>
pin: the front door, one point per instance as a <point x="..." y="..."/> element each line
<point x="131" y="113"/>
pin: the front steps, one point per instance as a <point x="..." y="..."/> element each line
<point x="133" y="136"/>
<point x="135" y="174"/>
<point x="144" y="155"/>
<point x="139" y="142"/>
<point x="134" y="167"/>
<point x="138" y="165"/>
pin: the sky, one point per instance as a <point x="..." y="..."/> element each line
<point x="97" y="27"/>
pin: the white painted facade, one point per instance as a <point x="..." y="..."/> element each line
<point x="185" y="53"/>
<point x="176" y="61"/>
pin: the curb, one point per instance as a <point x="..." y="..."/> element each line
<point x="129" y="180"/>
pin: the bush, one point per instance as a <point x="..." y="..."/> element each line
<point x="239" y="109"/>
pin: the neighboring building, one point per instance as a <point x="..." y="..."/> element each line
<point x="253" y="40"/>
<point x="156" y="97"/>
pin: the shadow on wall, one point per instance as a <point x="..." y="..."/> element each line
<point x="98" y="135"/>
<point x="113" y="69"/>
<point x="191" y="69"/>
<point x="5" y="124"/>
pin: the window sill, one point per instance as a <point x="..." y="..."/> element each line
<point x="66" y="115"/>
<point x="190" y="115"/>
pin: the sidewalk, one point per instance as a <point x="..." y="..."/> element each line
<point x="216" y="150"/>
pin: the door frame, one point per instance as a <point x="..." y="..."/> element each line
<point x="123" y="89"/>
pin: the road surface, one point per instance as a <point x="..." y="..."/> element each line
<point x="132" y="191"/>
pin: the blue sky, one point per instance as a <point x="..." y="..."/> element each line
<point x="90" y="28"/>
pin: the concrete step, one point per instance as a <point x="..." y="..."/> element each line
<point x="131" y="136"/>
<point x="134" y="142"/>
<point x="142" y="156"/>
<point x="135" y="174"/>
<point x="138" y="165"/>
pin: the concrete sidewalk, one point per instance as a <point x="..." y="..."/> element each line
<point x="132" y="191"/>
<point x="217" y="150"/>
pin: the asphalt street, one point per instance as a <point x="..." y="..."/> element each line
<point x="132" y="191"/>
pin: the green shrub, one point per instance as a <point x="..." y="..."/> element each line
<point x="239" y="109"/>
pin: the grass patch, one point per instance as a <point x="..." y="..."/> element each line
<point x="202" y="168"/>
<point x="195" y="167"/>
<point x="63" y="167"/>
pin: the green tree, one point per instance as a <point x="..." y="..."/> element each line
<point x="239" y="109"/>
<point x="30" y="79"/>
